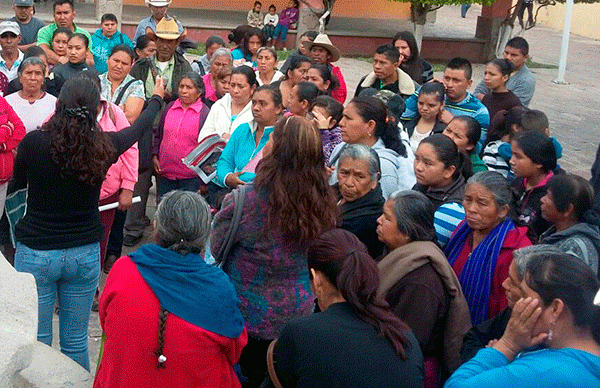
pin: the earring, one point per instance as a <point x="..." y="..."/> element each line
<point x="551" y="333"/>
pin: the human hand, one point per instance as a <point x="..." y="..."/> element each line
<point x="125" y="199"/>
<point x="233" y="180"/>
<point x="491" y="343"/>
<point x="159" y="88"/>
<point x="320" y="120"/>
<point x="156" y="165"/>
<point x="329" y="171"/>
<point x="519" y="330"/>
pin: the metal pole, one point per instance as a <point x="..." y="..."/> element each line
<point x="564" y="47"/>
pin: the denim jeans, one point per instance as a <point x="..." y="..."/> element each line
<point x="72" y="274"/>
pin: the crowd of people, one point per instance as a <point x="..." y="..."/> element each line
<point x="414" y="234"/>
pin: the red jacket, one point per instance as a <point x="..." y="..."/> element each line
<point x="339" y="94"/>
<point x="12" y="131"/>
<point x="129" y="313"/>
<point x="514" y="240"/>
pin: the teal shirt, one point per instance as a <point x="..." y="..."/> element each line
<point x="102" y="47"/>
<point x="240" y="149"/>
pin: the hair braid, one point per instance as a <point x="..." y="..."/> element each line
<point x="162" y="323"/>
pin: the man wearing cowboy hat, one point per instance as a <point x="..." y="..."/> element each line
<point x="159" y="11"/>
<point x="64" y="14"/>
<point x="171" y="67"/>
<point x="322" y="51"/>
<point x="28" y="24"/>
<point x="386" y="74"/>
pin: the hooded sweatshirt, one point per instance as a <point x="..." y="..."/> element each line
<point x="403" y="86"/>
<point x="581" y="240"/>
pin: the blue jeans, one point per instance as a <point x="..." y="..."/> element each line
<point x="72" y="274"/>
<point x="279" y="29"/>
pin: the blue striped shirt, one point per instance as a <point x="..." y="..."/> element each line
<point x="446" y="219"/>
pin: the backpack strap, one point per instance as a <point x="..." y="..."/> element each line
<point x="122" y="92"/>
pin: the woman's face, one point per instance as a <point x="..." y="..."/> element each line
<point x="522" y="166"/>
<point x="188" y="93"/>
<point x="354" y="128"/>
<point x="264" y="110"/>
<point x="76" y="49"/>
<point x="314" y="76"/>
<point x="429" y="169"/>
<point x="254" y="44"/>
<point x="296" y="106"/>
<point x="300" y="74"/>
<point x="59" y="44"/>
<point x="354" y="179"/>
<point x="403" y="49"/>
<point x="222" y="86"/>
<point x="481" y="210"/>
<point x="493" y="78"/>
<point x="32" y="78"/>
<point x="119" y="65"/>
<point x="240" y="89"/>
<point x="219" y="63"/>
<point x="512" y="286"/>
<point x="429" y="106"/>
<point x="265" y="62"/>
<point x="387" y="228"/>
<point x="549" y="211"/>
<point x="148" y="51"/>
<point x="457" y="131"/>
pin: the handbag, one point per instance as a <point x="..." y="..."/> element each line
<point x="15" y="207"/>
<point x="238" y="202"/>
<point x="271" y="366"/>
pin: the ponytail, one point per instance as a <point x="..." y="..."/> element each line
<point x="343" y="259"/>
<point x="162" y="323"/>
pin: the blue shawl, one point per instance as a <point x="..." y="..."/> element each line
<point x="186" y="286"/>
<point x="478" y="272"/>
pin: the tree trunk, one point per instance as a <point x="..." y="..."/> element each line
<point x="419" y="17"/>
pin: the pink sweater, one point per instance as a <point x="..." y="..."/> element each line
<point x="209" y="92"/>
<point x="124" y="173"/>
<point x="9" y="139"/>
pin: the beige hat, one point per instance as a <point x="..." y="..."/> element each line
<point x="158" y="3"/>
<point x="322" y="40"/>
<point x="166" y="29"/>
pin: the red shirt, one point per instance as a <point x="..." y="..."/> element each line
<point x="515" y="239"/>
<point x="129" y="313"/>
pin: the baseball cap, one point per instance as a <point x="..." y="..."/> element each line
<point x="8" y="26"/>
<point x="23" y="3"/>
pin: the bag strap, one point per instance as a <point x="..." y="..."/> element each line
<point x="271" y="365"/>
<point x="122" y="92"/>
<point x="238" y="202"/>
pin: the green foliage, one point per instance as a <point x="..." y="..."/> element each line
<point x="439" y="3"/>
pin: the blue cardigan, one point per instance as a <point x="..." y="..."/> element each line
<point x="240" y="149"/>
<point x="546" y="368"/>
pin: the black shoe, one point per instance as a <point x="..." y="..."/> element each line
<point x="130" y="241"/>
<point x="109" y="262"/>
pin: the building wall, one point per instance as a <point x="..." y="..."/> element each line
<point x="585" y="20"/>
<point x="347" y="8"/>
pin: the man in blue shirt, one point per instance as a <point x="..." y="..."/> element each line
<point x="27" y="23"/>
<point x="159" y="11"/>
<point x="459" y="102"/>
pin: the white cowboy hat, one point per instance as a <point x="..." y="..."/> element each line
<point x="322" y="40"/>
<point x="158" y="3"/>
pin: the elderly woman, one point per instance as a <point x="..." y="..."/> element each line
<point x="361" y="201"/>
<point x="221" y="58"/>
<point x="177" y="135"/>
<point x="267" y="255"/>
<point x="419" y="284"/>
<point x="480" y="250"/>
<point x="234" y="109"/>
<point x="558" y="311"/>
<point x="167" y="288"/>
<point x="356" y="341"/>
<point x="567" y="205"/>
<point x="119" y="87"/>
<point x="266" y="62"/>
<point x="32" y="104"/>
<point x="480" y="335"/>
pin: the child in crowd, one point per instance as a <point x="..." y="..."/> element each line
<point x="60" y="38"/>
<point x="302" y="97"/>
<point x="254" y="16"/>
<point x="533" y="162"/>
<point x="430" y="104"/>
<point x="105" y="39"/>
<point x="497" y="73"/>
<point x="465" y="132"/>
<point x="288" y="17"/>
<point x="271" y="20"/>
<point x="327" y="114"/>
<point x="144" y="47"/>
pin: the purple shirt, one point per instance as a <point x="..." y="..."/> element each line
<point x="288" y="17"/>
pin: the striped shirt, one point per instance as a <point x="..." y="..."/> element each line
<point x="493" y="159"/>
<point x="446" y="219"/>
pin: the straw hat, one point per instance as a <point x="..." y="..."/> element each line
<point x="158" y="3"/>
<point x="322" y="40"/>
<point x="166" y="29"/>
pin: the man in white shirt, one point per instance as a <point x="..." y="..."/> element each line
<point x="10" y="56"/>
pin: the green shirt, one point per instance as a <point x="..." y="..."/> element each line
<point x="167" y="73"/>
<point x="478" y="164"/>
<point x="44" y="35"/>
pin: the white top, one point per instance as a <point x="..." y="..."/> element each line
<point x="416" y="138"/>
<point x="276" y="77"/>
<point x="271" y="19"/>
<point x="220" y="121"/>
<point x="32" y="115"/>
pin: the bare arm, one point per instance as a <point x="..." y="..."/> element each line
<point x="53" y="58"/>
<point x="132" y="108"/>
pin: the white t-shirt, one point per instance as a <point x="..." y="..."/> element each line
<point x="32" y="115"/>
<point x="416" y="138"/>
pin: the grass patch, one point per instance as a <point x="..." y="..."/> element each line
<point x="438" y="67"/>
<point x="536" y="65"/>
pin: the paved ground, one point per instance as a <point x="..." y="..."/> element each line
<point x="572" y="109"/>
